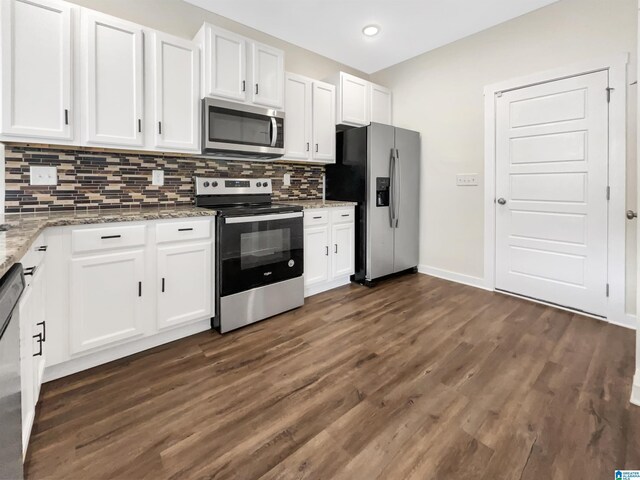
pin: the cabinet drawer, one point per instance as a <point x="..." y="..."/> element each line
<point x="185" y="230"/>
<point x="315" y="217"/>
<point x="342" y="215"/>
<point x="107" y="238"/>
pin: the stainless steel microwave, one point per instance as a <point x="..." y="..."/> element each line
<point x="235" y="130"/>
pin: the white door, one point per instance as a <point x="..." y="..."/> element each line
<point x="343" y="238"/>
<point x="176" y="93"/>
<point x="36" y="69"/>
<point x="39" y="327"/>
<point x="551" y="191"/>
<point x="27" y="350"/>
<point x="113" y="82"/>
<point x="225" y="64"/>
<point x="106" y="303"/>
<point x="316" y="255"/>
<point x="380" y="104"/>
<point x="354" y="100"/>
<point x="298" y="118"/>
<point x="268" y="75"/>
<point x="184" y="283"/>
<point x="324" y="122"/>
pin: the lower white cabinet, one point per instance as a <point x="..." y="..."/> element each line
<point x="329" y="248"/>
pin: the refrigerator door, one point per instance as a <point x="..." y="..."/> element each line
<point x="406" y="247"/>
<point x="379" y="232"/>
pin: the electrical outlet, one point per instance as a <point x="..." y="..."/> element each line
<point x="43" y="175"/>
<point x="286" y="180"/>
<point x="467" y="179"/>
<point x="157" y="178"/>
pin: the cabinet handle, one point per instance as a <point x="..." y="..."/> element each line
<point x="39" y="337"/>
<point x="30" y="271"/>
<point x="163" y="285"/>
<point x="159" y="128"/>
<point x="345" y="214"/>
<point x="256" y="89"/>
<point x="66" y="116"/>
<point x="336" y="248"/>
<point x="42" y="248"/>
<point x="326" y="250"/>
<point x="316" y="148"/>
<point x="317" y="218"/>
<point x="139" y="125"/>
<point x="244" y="86"/>
<point x="44" y="330"/>
<point x="139" y="289"/>
<point x="307" y="146"/>
<point x="185" y="229"/>
<point x="106" y="237"/>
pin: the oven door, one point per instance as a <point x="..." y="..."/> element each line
<point x="259" y="250"/>
<point x="243" y="130"/>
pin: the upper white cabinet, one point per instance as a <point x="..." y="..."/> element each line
<point x="309" y="120"/>
<point x="112" y="61"/>
<point x="360" y="102"/>
<point x="37" y="79"/>
<point x="176" y="96"/>
<point x="237" y="68"/>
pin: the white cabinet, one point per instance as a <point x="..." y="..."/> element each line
<point x="25" y="307"/>
<point x="360" y="102"/>
<point x="37" y="77"/>
<point x="309" y="120"/>
<point x="268" y="75"/>
<point x="329" y="248"/>
<point x="112" y="61"/>
<point x="106" y="299"/>
<point x="175" y="93"/>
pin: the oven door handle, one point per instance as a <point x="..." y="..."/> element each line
<point x="274" y="131"/>
<point x="263" y="218"/>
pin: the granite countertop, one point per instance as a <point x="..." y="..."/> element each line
<point x="308" y="204"/>
<point x="24" y="228"/>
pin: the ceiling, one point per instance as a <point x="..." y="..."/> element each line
<point x="333" y="28"/>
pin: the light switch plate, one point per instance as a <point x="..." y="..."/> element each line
<point x="467" y="179"/>
<point x="157" y="178"/>
<point x="286" y="179"/>
<point x="43" y="175"/>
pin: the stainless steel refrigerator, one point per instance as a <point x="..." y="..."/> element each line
<point x="378" y="166"/>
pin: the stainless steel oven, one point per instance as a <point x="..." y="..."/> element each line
<point x="235" y="130"/>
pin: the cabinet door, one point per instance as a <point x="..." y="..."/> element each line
<point x="316" y="255"/>
<point x="298" y="118"/>
<point x="354" y="100"/>
<point x="39" y="328"/>
<point x="342" y="259"/>
<point x="106" y="303"/>
<point x="36" y="69"/>
<point x="324" y="122"/>
<point x="27" y="343"/>
<point x="176" y="93"/>
<point x="268" y="75"/>
<point x="113" y="86"/>
<point x="225" y="64"/>
<point x="184" y="283"/>
<point x="380" y="104"/>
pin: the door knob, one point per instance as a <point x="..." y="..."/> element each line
<point x="631" y="214"/>
<point x="502" y="201"/>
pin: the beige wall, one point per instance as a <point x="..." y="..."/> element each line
<point x="440" y="93"/>
<point x="184" y="20"/>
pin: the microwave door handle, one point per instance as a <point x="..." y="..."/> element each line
<point x="274" y="131"/>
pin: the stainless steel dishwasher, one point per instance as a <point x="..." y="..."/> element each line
<point x="11" y="287"/>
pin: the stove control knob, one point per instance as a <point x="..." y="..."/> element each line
<point x="214" y="184"/>
<point x="258" y="184"/>
<point x="265" y="184"/>
<point x="205" y="184"/>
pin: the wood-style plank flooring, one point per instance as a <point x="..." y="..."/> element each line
<point x="418" y="378"/>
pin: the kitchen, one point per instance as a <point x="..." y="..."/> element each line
<point x="213" y="231"/>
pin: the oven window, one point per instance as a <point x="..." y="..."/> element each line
<point x="263" y="248"/>
<point x="232" y="126"/>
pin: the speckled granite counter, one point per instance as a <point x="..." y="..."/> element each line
<point x="309" y="204"/>
<point x="25" y="228"/>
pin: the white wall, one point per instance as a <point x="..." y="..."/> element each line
<point x="184" y="20"/>
<point x="440" y="94"/>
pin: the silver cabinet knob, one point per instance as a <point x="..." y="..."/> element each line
<point x="502" y="201"/>
<point x="631" y="214"/>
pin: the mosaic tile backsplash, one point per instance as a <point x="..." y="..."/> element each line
<point x="91" y="179"/>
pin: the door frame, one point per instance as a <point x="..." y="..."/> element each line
<point x="616" y="66"/>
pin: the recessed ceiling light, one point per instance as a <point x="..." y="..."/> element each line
<point x="371" y="30"/>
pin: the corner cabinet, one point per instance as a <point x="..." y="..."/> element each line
<point x="360" y="102"/>
<point x="310" y="120"/>
<point x="37" y="79"/>
<point x="329" y="248"/>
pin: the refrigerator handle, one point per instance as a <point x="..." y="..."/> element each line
<point x="396" y="201"/>
<point x="392" y="189"/>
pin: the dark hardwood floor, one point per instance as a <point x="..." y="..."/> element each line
<point x="418" y="378"/>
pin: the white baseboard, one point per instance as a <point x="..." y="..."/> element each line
<point x="453" y="276"/>
<point x="91" y="360"/>
<point x="627" y="321"/>
<point x="635" y="389"/>
<point x="323" y="287"/>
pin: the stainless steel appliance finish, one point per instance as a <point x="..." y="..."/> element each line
<point x="378" y="166"/>
<point x="248" y="307"/>
<point x="11" y="287"/>
<point x="236" y="130"/>
<point x="259" y="251"/>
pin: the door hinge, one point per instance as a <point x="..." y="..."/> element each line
<point x="608" y="193"/>
<point x="609" y="90"/>
<point x="607" y="289"/>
